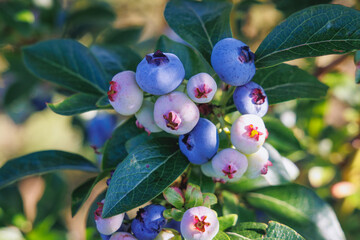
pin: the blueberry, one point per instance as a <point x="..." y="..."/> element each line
<point x="201" y="144"/>
<point x="148" y="222"/>
<point x="229" y="164"/>
<point x="199" y="223"/>
<point x="175" y="113"/>
<point x="248" y="133"/>
<point x="124" y="94"/>
<point x="160" y="73"/>
<point x="258" y="163"/>
<point x="107" y="226"/>
<point x="145" y="117"/>
<point x="122" y="236"/>
<point x="201" y="88"/>
<point x="233" y="61"/>
<point x="251" y="99"/>
<point x="100" y="128"/>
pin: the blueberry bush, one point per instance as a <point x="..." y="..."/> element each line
<point x="188" y="132"/>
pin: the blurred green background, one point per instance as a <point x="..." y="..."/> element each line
<point x="39" y="207"/>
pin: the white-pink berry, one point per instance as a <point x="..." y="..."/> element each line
<point x="229" y="164"/>
<point x="201" y="88"/>
<point x="124" y="94"/>
<point x="122" y="236"/>
<point x="258" y="163"/>
<point x="145" y="117"/>
<point x="199" y="223"/>
<point x="248" y="133"/>
<point x="109" y="225"/>
<point x="175" y="113"/>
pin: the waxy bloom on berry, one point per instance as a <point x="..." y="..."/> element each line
<point x="109" y="225"/>
<point x="229" y="164"/>
<point x="201" y="88"/>
<point x="248" y="133"/>
<point x="199" y="223"/>
<point x="175" y="113"/>
<point x="124" y="94"/>
<point x="258" y="163"/>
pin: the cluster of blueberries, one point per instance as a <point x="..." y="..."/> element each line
<point x="176" y="112"/>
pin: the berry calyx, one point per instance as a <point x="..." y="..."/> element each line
<point x="257" y="96"/>
<point x="173" y="120"/>
<point x="201" y="224"/>
<point x="229" y="171"/>
<point x="202" y="91"/>
<point x="113" y="91"/>
<point x="98" y="211"/>
<point x="253" y="132"/>
<point x="245" y="55"/>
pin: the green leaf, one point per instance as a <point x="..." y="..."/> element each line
<point x="227" y="221"/>
<point x="144" y="174"/>
<point x="209" y="199"/>
<point x="278" y="230"/>
<point x="357" y="64"/>
<point x="174" y="196"/>
<point x="194" y="63"/>
<point x="196" y="177"/>
<point x="114" y="149"/>
<point x="124" y="36"/>
<point x="288" y="7"/>
<point x="314" y="31"/>
<point x="281" y="137"/>
<point x="250" y="230"/>
<point x="103" y="103"/>
<point x="82" y="193"/>
<point x="285" y="82"/>
<point x="202" y="24"/>
<point x="193" y="196"/>
<point x="295" y="204"/>
<point x="67" y="63"/>
<point x="173" y="213"/>
<point x="221" y="236"/>
<point x="231" y="205"/>
<point x="42" y="162"/>
<point x="77" y="103"/>
<point x="115" y="59"/>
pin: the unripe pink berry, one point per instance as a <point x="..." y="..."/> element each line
<point x="175" y="113"/>
<point x="201" y="88"/>
<point x="122" y="236"/>
<point x="248" y="133"/>
<point x="109" y="225"/>
<point x="258" y="163"/>
<point x="199" y="223"/>
<point x="145" y="117"/>
<point x="124" y="94"/>
<point x="229" y="164"/>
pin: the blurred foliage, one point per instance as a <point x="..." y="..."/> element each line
<point x="325" y="134"/>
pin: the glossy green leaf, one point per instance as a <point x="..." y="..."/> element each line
<point x="285" y="82"/>
<point x="250" y="230"/>
<point x="278" y="230"/>
<point x="144" y="137"/>
<point x="202" y="24"/>
<point x="115" y="59"/>
<point x="221" y="236"/>
<point x="82" y="192"/>
<point x="173" y="213"/>
<point x="42" y="162"/>
<point x="227" y="221"/>
<point x="67" y="63"/>
<point x="281" y="137"/>
<point x="315" y="31"/>
<point x="288" y="7"/>
<point x="300" y="208"/>
<point x="144" y="174"/>
<point x="357" y="64"/>
<point x="194" y="63"/>
<point x="114" y="149"/>
<point x="174" y="196"/>
<point x="209" y="199"/>
<point x="193" y="196"/>
<point x="103" y="103"/>
<point x="77" y="103"/>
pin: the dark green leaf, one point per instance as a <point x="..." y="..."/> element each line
<point x="82" y="193"/>
<point x="196" y="177"/>
<point x="144" y="174"/>
<point x="231" y="205"/>
<point x="289" y="7"/>
<point x="114" y="149"/>
<point x="202" y="24"/>
<point x="143" y="137"/>
<point x="125" y="36"/>
<point x="278" y="230"/>
<point x="194" y="63"/>
<point x="227" y="221"/>
<point x="78" y="103"/>
<point x="357" y="64"/>
<point x="284" y="82"/>
<point x="314" y="31"/>
<point x="67" y="63"/>
<point x="115" y="59"/>
<point x="281" y="137"/>
<point x="103" y="103"/>
<point x="42" y="162"/>
<point x="300" y="208"/>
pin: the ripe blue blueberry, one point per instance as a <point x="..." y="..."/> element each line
<point x="233" y="61"/>
<point x="201" y="88"/>
<point x="175" y="113"/>
<point x="248" y="133"/>
<point x="160" y="73"/>
<point x="100" y="128"/>
<point x="148" y="222"/>
<point x="199" y="223"/>
<point x="124" y="94"/>
<point x="229" y="164"/>
<point x="201" y="144"/>
<point x="251" y="99"/>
